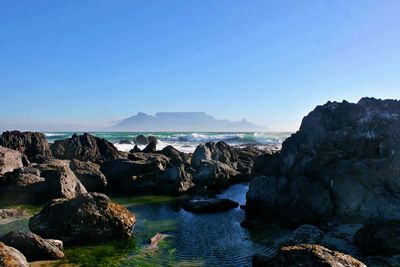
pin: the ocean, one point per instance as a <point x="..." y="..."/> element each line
<point x="186" y="141"/>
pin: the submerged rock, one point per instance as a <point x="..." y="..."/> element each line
<point x="10" y="257"/>
<point x="307" y="255"/>
<point x="9" y="215"/>
<point x="9" y="160"/>
<point x="33" y="145"/>
<point x="208" y="205"/>
<point x="307" y="234"/>
<point x="33" y="246"/>
<point x="85" y="147"/>
<point x="89" y="175"/>
<point x="87" y="218"/>
<point x="382" y="237"/>
<point x="343" y="163"/>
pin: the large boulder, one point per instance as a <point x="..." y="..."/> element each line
<point x="307" y="234"/>
<point x="141" y="140"/>
<point x="345" y="160"/>
<point x="176" y="157"/>
<point x="60" y="180"/>
<point x="85" y="147"/>
<point x="215" y="175"/>
<point x="33" y="145"/>
<point x="33" y="246"/>
<point x="10" y="257"/>
<point x="85" y="219"/>
<point x="9" y="160"/>
<point x="89" y="175"/>
<point x="220" y="151"/>
<point x="150" y="148"/>
<point x="382" y="237"/>
<point x="307" y="255"/>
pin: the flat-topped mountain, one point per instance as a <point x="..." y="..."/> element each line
<point x="182" y="121"/>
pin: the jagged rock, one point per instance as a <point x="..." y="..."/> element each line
<point x="150" y="148"/>
<point x="60" y="180"/>
<point x="177" y="158"/>
<point x="141" y="140"/>
<point x="220" y="151"/>
<point x="208" y="205"/>
<point x="10" y="257"/>
<point x="33" y="145"/>
<point x="344" y="161"/>
<point x="85" y="147"/>
<point x="381" y="237"/>
<point x="174" y="180"/>
<point x="307" y="255"/>
<point x="33" y="246"/>
<point x="246" y="158"/>
<point x="307" y="234"/>
<point x="135" y="149"/>
<point x="85" y="219"/>
<point x="89" y="175"/>
<point x="9" y="160"/>
<point x="152" y="139"/>
<point x="215" y="175"/>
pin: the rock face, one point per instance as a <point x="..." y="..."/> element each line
<point x="207" y="205"/>
<point x="150" y="148"/>
<point x="89" y="175"/>
<point x="33" y="246"/>
<point x="343" y="163"/>
<point x="307" y="255"/>
<point x="307" y="234"/>
<point x="9" y="160"/>
<point x="84" y="148"/>
<point x="220" y="151"/>
<point x="215" y="175"/>
<point x="33" y="145"/>
<point x="177" y="158"/>
<point x="383" y="237"/>
<point x="10" y="257"/>
<point x="85" y="219"/>
<point x="60" y="180"/>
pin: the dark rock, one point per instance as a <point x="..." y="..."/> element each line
<point x="33" y="246"/>
<point x="135" y="149"/>
<point x="85" y="219"/>
<point x="344" y="159"/>
<point x="89" y="175"/>
<point x="382" y="237"/>
<point x="150" y="148"/>
<point x="33" y="145"/>
<point x="220" y="151"/>
<point x="60" y="180"/>
<point x="10" y="257"/>
<point x="85" y="147"/>
<point x="141" y="140"/>
<point x="125" y="142"/>
<point x="177" y="158"/>
<point x="152" y="139"/>
<point x="215" y="175"/>
<point x="307" y="255"/>
<point x="208" y="205"/>
<point x="9" y="160"/>
<point x="174" y="180"/>
<point x="307" y="234"/>
<point x="246" y="158"/>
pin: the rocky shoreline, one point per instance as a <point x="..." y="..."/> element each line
<point x="335" y="183"/>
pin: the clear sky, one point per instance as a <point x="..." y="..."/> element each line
<point x="81" y="61"/>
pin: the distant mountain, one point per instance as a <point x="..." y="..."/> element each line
<point x="182" y="121"/>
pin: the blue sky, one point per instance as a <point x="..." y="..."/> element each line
<point x="92" y="62"/>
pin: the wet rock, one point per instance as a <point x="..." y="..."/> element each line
<point x="307" y="255"/>
<point x="382" y="237"/>
<point x="344" y="153"/>
<point x="10" y="257"/>
<point x="85" y="147"/>
<point x="60" y="180"/>
<point x="33" y="246"/>
<point x="150" y="148"/>
<point x="215" y="175"/>
<point x="89" y="175"/>
<point x="174" y="180"/>
<point x="87" y="218"/>
<point x="208" y="205"/>
<point x="307" y="234"/>
<point x="220" y="151"/>
<point x="9" y="160"/>
<point x="141" y="140"/>
<point x="155" y="241"/>
<point x="177" y="158"/>
<point x="9" y="215"/>
<point x="33" y="145"/>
